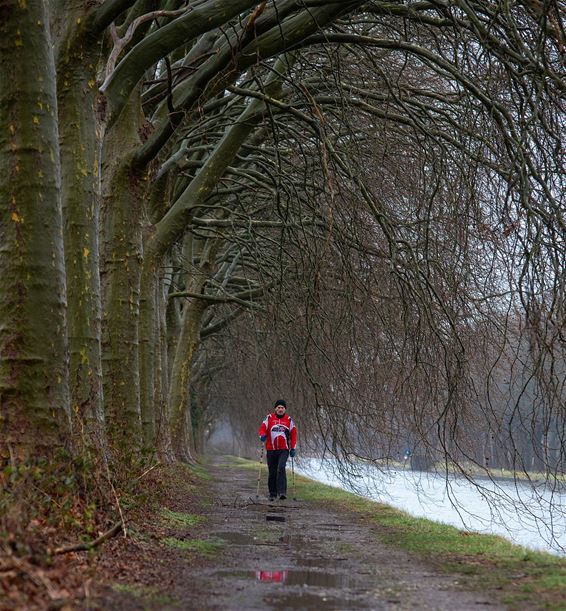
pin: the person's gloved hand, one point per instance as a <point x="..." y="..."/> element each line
<point x="292" y="453"/>
<point x="263" y="437"/>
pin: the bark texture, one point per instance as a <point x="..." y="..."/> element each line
<point x="121" y="269"/>
<point x="34" y="399"/>
<point x="80" y="138"/>
<point x="179" y="390"/>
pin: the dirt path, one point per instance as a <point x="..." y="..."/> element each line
<point x="293" y="555"/>
<point x="281" y="555"/>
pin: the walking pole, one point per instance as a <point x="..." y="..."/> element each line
<point x="293" y="473"/>
<point x="259" y="472"/>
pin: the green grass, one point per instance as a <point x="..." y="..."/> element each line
<point x="525" y="578"/>
<point x="126" y="588"/>
<point x="178" y="518"/>
<point x="199" y="471"/>
<point x="241" y="462"/>
<point x="206" y="547"/>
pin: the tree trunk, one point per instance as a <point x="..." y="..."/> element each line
<point x="179" y="395"/>
<point x="198" y="415"/>
<point x="164" y="443"/>
<point x="34" y="394"/>
<point x="148" y="350"/>
<point x="80" y="138"/>
<point x="120" y="271"/>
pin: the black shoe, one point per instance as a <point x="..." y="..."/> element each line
<point x="271" y="497"/>
<point x="282" y="497"/>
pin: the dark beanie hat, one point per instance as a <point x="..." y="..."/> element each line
<point x="280" y="402"/>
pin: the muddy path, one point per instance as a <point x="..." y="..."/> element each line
<point x="294" y="554"/>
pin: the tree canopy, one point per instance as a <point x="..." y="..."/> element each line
<point x="209" y="203"/>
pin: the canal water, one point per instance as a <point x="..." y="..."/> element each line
<point x="531" y="515"/>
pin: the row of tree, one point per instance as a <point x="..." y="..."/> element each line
<point x="351" y="195"/>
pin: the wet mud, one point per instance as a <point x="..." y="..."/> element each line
<point x="287" y="555"/>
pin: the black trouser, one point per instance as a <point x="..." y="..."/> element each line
<point x="277" y="482"/>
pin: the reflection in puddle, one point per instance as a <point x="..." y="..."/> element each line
<point x="296" y="577"/>
<point x="271" y="517"/>
<point x="271" y="576"/>
<point x="305" y="578"/>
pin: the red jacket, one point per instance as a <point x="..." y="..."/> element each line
<point x="281" y="433"/>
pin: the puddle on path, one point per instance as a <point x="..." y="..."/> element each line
<point x="299" y="577"/>
<point x="297" y="541"/>
<point x="296" y="577"/>
<point x="306" y="600"/>
<point x="237" y="538"/>
<point x="271" y="517"/>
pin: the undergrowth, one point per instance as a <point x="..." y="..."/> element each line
<point x="46" y="505"/>
<point x="63" y="495"/>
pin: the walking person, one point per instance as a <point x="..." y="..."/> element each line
<point x="279" y="433"/>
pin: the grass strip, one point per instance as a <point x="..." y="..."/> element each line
<point x="206" y="547"/>
<point x="178" y="518"/>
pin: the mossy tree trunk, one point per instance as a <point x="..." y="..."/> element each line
<point x="81" y="139"/>
<point x="152" y="333"/>
<point x="149" y="349"/>
<point x="120" y="271"/>
<point x="163" y="425"/>
<point x="179" y="389"/>
<point x="34" y="394"/>
<point x="198" y="413"/>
